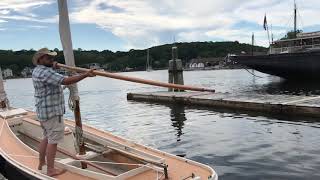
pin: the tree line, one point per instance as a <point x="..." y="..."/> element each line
<point x="135" y="59"/>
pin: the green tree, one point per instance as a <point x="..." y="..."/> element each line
<point x="291" y="34"/>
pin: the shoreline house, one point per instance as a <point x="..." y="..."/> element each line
<point x="204" y="63"/>
<point x="7" y="73"/>
<point x="26" y="72"/>
<point x="96" y="66"/>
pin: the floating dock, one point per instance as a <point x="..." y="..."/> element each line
<point x="275" y="104"/>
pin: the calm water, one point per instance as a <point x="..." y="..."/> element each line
<point x="236" y="144"/>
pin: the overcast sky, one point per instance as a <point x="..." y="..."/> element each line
<point x="120" y="25"/>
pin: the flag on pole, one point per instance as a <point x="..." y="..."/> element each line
<point x="265" y="22"/>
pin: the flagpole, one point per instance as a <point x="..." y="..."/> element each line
<point x="265" y="26"/>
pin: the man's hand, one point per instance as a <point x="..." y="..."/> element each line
<point x="75" y="79"/>
<point x="90" y="73"/>
<point x="54" y="65"/>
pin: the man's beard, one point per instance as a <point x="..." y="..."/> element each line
<point x="48" y="65"/>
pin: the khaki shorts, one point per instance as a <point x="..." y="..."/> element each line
<point x="53" y="129"/>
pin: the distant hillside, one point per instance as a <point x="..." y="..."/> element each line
<point x="136" y="59"/>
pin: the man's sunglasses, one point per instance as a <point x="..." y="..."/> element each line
<point x="47" y="56"/>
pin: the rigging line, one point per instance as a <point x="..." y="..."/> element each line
<point x="301" y="22"/>
<point x="298" y="12"/>
<point x="252" y="73"/>
<point x="4" y="119"/>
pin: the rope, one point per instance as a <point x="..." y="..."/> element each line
<point x="252" y="73"/>
<point x="4" y="119"/>
<point x="72" y="96"/>
<point x="79" y="138"/>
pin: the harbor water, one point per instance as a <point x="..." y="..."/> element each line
<point x="237" y="144"/>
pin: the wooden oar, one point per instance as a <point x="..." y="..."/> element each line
<point x="134" y="79"/>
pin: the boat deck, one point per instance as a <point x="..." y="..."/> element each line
<point x="275" y="104"/>
<point x="20" y="135"/>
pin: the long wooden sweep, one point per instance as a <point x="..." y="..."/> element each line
<point x="133" y="79"/>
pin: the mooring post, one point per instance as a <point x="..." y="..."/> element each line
<point x="175" y="70"/>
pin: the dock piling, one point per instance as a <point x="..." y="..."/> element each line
<point x="175" y="70"/>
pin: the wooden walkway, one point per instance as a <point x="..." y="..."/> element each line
<point x="275" y="104"/>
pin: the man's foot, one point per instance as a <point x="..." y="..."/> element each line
<point x="40" y="166"/>
<point x="55" y="172"/>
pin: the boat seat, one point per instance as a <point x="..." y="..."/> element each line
<point x="32" y="125"/>
<point x="14" y="121"/>
<point x="12" y="112"/>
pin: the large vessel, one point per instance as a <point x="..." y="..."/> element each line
<point x="297" y="57"/>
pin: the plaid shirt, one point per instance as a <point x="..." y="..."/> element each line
<point x="48" y="94"/>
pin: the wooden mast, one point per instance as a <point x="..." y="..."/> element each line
<point x="65" y="36"/>
<point x="295" y="19"/>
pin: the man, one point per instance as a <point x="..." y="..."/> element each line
<point x="50" y="107"/>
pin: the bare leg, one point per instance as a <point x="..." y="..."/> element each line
<point x="42" y="152"/>
<point x="51" y="154"/>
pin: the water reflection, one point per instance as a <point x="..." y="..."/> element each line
<point x="238" y="144"/>
<point x="178" y="117"/>
<point x="291" y="88"/>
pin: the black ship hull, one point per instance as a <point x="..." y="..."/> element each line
<point x="304" y="65"/>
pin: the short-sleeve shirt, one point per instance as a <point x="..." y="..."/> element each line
<point x="49" y="98"/>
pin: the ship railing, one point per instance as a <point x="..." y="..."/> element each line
<point x="293" y="48"/>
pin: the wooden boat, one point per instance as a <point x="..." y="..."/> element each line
<point x="108" y="156"/>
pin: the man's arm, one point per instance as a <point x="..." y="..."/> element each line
<point x="75" y="79"/>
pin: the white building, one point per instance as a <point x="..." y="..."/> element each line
<point x="26" y="72"/>
<point x="95" y="66"/>
<point x="7" y="73"/>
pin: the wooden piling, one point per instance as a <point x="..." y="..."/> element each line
<point x="175" y="70"/>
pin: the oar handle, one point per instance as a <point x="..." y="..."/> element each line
<point x="133" y="79"/>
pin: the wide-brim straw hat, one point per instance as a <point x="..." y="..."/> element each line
<point x="40" y="53"/>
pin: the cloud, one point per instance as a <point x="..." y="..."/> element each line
<point x="37" y="27"/>
<point x="20" y="6"/>
<point x="22" y="10"/>
<point x="145" y="23"/>
<point x="4" y="12"/>
<point x="136" y="20"/>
